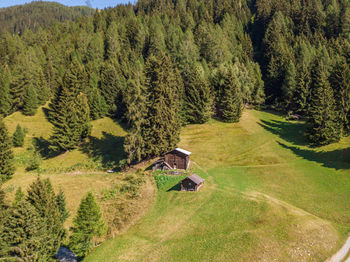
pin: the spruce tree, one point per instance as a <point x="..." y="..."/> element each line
<point x="70" y="113"/>
<point x="136" y="108"/>
<point x="161" y="128"/>
<point x="302" y="90"/>
<point x="82" y="111"/>
<point x="87" y="224"/>
<point x="229" y="103"/>
<point x="5" y="96"/>
<point x="18" y="137"/>
<point x="112" y="84"/>
<point x="2" y="200"/>
<point x="23" y="235"/>
<point x="340" y="82"/>
<point x="30" y="101"/>
<point x="289" y="86"/>
<point x="19" y="196"/>
<point x="97" y="104"/>
<point x="198" y="101"/>
<point x="42" y="197"/>
<point x="6" y="154"/>
<point x="61" y="203"/>
<point x="323" y="125"/>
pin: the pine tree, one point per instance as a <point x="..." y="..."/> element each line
<point x="161" y="128"/>
<point x="340" y="82"/>
<point x="5" y="96"/>
<point x="19" y="196"/>
<point x="302" y="90"/>
<point x="136" y="108"/>
<point x="42" y="197"/>
<point x="61" y="203"/>
<point x="18" y="137"/>
<point x="112" y="85"/>
<point x="229" y="102"/>
<point x="82" y="111"/>
<point x="6" y="154"/>
<point x="86" y="225"/>
<point x="323" y="125"/>
<point x="2" y="200"/>
<point x="97" y="104"/>
<point x="289" y="86"/>
<point x="70" y="113"/>
<point x="30" y="102"/>
<point x="23" y="235"/>
<point x="198" y="101"/>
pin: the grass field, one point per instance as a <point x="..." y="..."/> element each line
<point x="267" y="197"/>
<point x="82" y="170"/>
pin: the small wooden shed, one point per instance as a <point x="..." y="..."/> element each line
<point x="178" y="158"/>
<point x="192" y="183"/>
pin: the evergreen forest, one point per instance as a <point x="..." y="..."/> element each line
<point x="156" y="67"/>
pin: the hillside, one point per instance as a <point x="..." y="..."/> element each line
<point x="80" y="171"/>
<point x="37" y="14"/>
<point x="267" y="197"/>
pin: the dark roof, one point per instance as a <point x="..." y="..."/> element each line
<point x="196" y="179"/>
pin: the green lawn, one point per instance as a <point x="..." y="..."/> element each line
<point x="266" y="196"/>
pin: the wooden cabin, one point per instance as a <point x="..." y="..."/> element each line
<point x="178" y="158"/>
<point x="192" y="183"/>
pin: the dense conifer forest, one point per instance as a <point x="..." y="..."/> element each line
<point x="157" y="66"/>
<point x="38" y="14"/>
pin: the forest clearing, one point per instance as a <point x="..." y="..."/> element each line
<point x="265" y="190"/>
<point x="175" y="130"/>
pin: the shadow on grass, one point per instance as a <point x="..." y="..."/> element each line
<point x="292" y="132"/>
<point x="42" y="146"/>
<point x="108" y="149"/>
<point x="176" y="187"/>
<point x="337" y="159"/>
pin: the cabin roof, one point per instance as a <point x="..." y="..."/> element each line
<point x="196" y="179"/>
<point x="183" y="151"/>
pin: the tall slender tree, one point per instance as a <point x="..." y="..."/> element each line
<point x="42" y="197"/>
<point x="161" y="128"/>
<point x="198" y="97"/>
<point x="30" y="101"/>
<point x="324" y="127"/>
<point x="6" y="155"/>
<point x="229" y="103"/>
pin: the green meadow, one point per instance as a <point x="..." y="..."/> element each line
<point x="267" y="197"/>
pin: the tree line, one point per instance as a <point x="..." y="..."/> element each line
<point x="157" y="66"/>
<point x="161" y="67"/>
<point x="38" y="14"/>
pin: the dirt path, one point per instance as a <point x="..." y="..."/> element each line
<point x="341" y="254"/>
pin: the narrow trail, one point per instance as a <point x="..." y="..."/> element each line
<point x="342" y="253"/>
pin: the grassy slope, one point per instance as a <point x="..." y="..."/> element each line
<point x="75" y="172"/>
<point x="267" y="196"/>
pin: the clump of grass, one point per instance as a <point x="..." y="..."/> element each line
<point x="165" y="181"/>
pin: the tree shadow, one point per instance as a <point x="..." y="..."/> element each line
<point x="42" y="146"/>
<point x="337" y="159"/>
<point x="176" y="187"/>
<point x="292" y="132"/>
<point x="47" y="112"/>
<point x="108" y="149"/>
